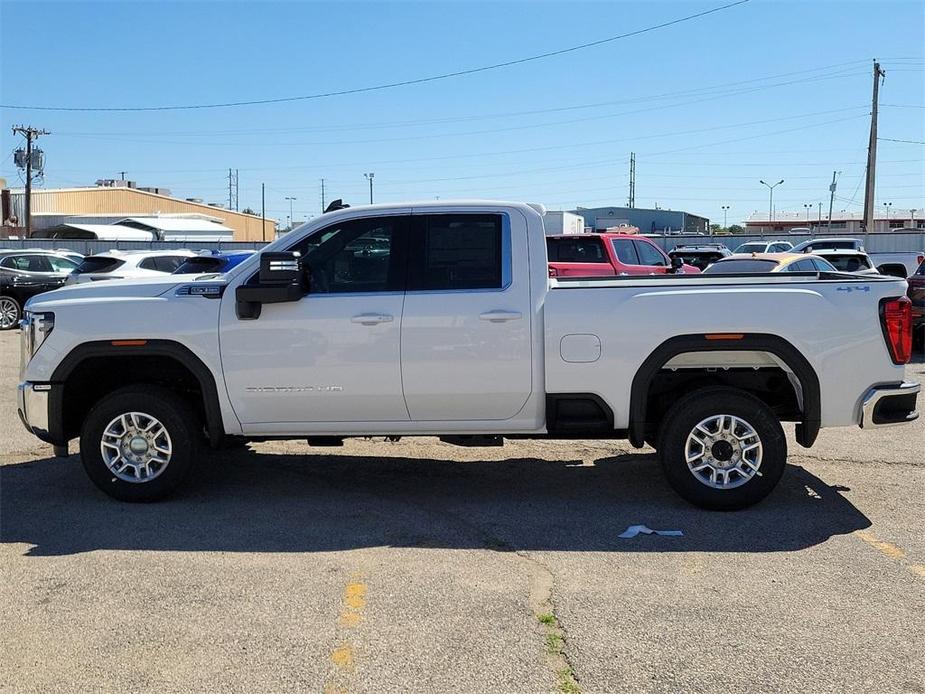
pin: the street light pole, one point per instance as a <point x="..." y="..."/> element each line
<point x="369" y="177"/>
<point x="291" y="220"/>
<point x="887" y="208"/>
<point x="725" y="209"/>
<point x="770" y="202"/>
<point x="807" y="206"/>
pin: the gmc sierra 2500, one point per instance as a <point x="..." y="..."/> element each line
<point x="439" y="319"/>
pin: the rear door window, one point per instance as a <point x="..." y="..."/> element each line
<point x="822" y="265"/>
<point x="457" y="251"/>
<point x="802" y="266"/>
<point x="576" y="250"/>
<point x="723" y="267"/>
<point x="30" y="263"/>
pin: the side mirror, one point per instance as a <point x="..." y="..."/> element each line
<point x="280" y="268"/>
<point x="281" y="279"/>
<point x="676" y="264"/>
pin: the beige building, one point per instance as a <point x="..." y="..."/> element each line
<point x="53" y="206"/>
<point x="893" y="219"/>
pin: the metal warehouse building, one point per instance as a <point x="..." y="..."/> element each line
<point x="648" y="221"/>
<point x="54" y="206"/>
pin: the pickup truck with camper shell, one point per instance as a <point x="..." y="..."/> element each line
<point x="440" y="319"/>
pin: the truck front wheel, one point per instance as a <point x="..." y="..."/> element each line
<point x="722" y="449"/>
<point x="138" y="443"/>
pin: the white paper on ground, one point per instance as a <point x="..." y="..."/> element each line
<point x="635" y="530"/>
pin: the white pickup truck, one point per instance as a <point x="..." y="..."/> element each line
<point x="439" y="319"/>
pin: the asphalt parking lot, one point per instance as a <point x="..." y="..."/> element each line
<point x="422" y="567"/>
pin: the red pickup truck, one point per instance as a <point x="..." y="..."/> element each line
<point x="598" y="255"/>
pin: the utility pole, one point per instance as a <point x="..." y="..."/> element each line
<point x="632" y="200"/>
<point x="770" y="202"/>
<point x="832" y="196"/>
<point x="30" y="134"/>
<point x="369" y="177"/>
<point x="291" y="220"/>
<point x="820" y="215"/>
<point x="872" y="156"/>
<point x="263" y="211"/>
<point x="232" y="189"/>
<point x="322" y="196"/>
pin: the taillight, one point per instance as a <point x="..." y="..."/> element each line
<point x="553" y="272"/>
<point x="896" y="321"/>
<point x="920" y="259"/>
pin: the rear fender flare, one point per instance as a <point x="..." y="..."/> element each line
<point x="807" y="429"/>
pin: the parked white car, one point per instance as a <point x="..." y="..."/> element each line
<point x="440" y="319"/>
<point x="116" y="265"/>
<point x="831" y="243"/>
<point x="764" y="247"/>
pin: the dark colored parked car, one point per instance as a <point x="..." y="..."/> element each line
<point x="916" y="293"/>
<point x="212" y="261"/>
<point x="23" y="274"/>
<point x="700" y="256"/>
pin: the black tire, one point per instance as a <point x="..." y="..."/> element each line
<point x="178" y="419"/>
<point x="17" y="308"/>
<point x="680" y="421"/>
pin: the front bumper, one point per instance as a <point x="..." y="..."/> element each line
<point x="33" y="401"/>
<point x="889" y="405"/>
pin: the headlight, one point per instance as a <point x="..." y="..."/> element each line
<point x="36" y="327"/>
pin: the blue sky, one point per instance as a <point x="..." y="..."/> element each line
<point x="764" y="90"/>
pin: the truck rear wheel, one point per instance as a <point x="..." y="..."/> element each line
<point x="138" y="443"/>
<point x="722" y="449"/>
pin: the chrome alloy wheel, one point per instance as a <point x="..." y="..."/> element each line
<point x="136" y="447"/>
<point x="9" y="313"/>
<point x="723" y="451"/>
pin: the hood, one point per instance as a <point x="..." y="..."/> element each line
<point x="148" y="287"/>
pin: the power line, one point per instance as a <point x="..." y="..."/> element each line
<point x="392" y="85"/>
<point x="441" y="136"/>
<point x="908" y="142"/>
<point x="711" y="91"/>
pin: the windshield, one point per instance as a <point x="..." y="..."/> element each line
<point x="99" y="263"/>
<point x="722" y="267"/>
<point x="200" y="265"/>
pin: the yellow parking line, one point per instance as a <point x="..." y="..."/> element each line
<point x="344" y="655"/>
<point x="888" y="549"/>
